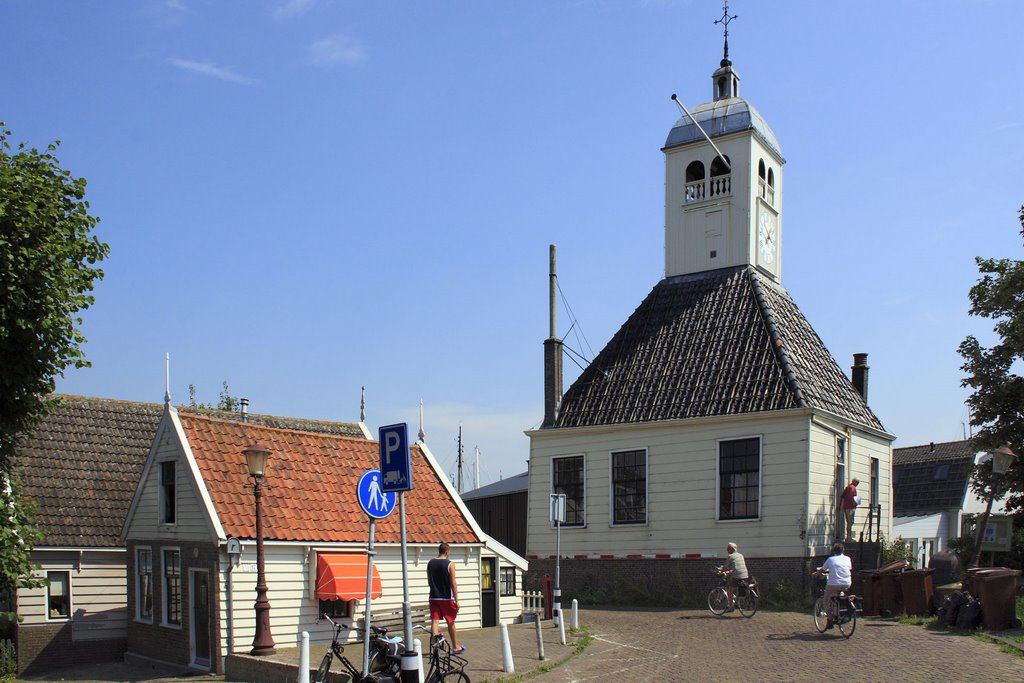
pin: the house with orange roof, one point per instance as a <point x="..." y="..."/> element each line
<point x="191" y="547"/>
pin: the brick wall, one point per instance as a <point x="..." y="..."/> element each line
<point x="42" y="647"/>
<point x="166" y="643"/>
<point x="674" y="582"/>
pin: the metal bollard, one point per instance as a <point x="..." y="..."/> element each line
<point x="508" y="665"/>
<point x="575" y="614"/>
<point x="540" y="641"/>
<point x="561" y="630"/>
<point x="304" y="658"/>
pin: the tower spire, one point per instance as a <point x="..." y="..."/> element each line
<point x="725" y="21"/>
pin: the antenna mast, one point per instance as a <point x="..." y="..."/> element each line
<point x="459" y="487"/>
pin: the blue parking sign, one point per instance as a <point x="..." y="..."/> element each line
<point x="395" y="467"/>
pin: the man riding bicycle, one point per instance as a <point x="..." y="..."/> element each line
<point x="839" y="570"/>
<point x="736" y="569"/>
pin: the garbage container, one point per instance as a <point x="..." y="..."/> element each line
<point x="890" y="594"/>
<point x="869" y="591"/>
<point x="918" y="590"/>
<point x="997" y="590"/>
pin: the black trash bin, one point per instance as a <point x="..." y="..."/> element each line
<point x="997" y="589"/>
<point x="890" y="594"/>
<point x="918" y="591"/>
<point x="869" y="591"/>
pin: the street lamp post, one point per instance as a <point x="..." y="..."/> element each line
<point x="1002" y="459"/>
<point x="263" y="643"/>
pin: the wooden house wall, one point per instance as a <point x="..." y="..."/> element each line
<point x="503" y="518"/>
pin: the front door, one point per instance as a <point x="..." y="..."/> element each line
<point x="200" y="619"/>
<point x="488" y="594"/>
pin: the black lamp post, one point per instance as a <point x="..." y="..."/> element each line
<point x="263" y="643"/>
<point x="1002" y="460"/>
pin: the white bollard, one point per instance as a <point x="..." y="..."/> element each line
<point x="506" y="650"/>
<point x="575" y="614"/>
<point x="304" y="658"/>
<point x="561" y="631"/>
<point x="418" y="646"/>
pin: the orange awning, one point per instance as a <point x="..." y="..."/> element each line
<point x="342" y="576"/>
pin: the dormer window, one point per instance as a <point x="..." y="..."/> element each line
<point x="721" y="180"/>
<point x="695" y="181"/>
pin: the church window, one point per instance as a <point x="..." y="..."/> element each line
<point x="695" y="181"/>
<point x="629" y="487"/>
<point x="739" y="478"/>
<point x="766" y="183"/>
<point x="567" y="475"/>
<point x="770" y="197"/>
<point x="721" y="180"/>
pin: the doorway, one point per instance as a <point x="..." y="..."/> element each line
<point x="488" y="593"/>
<point x="200" y="603"/>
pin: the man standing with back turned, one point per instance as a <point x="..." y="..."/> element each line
<point x="444" y="594"/>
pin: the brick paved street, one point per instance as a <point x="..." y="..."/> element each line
<point x="684" y="645"/>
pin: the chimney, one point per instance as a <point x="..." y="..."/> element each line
<point x="859" y="374"/>
<point x="552" y="354"/>
<point x="931" y="447"/>
<point x="243" y="404"/>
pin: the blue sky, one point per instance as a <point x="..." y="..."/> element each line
<point x="304" y="197"/>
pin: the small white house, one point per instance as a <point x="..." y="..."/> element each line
<point x="190" y="602"/>
<point x="932" y="496"/>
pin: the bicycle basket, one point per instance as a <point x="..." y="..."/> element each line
<point x="392" y="646"/>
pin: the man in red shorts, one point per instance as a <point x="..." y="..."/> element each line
<point x="444" y="594"/>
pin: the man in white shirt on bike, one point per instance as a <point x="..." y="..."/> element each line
<point x="839" y="570"/>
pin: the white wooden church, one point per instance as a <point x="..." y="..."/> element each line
<point x="715" y="413"/>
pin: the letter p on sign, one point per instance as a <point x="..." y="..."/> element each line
<point x="395" y="467"/>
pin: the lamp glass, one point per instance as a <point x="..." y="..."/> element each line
<point x="256" y="458"/>
<point x="1002" y="460"/>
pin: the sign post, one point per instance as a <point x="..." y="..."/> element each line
<point x="377" y="504"/>
<point x="557" y="517"/>
<point x="396" y="472"/>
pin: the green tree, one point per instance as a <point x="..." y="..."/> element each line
<point x="997" y="401"/>
<point x="48" y="260"/>
<point x="226" y="402"/>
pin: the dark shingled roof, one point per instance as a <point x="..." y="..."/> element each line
<point x="83" y="463"/>
<point x="721" y="342"/>
<point x="515" y="484"/>
<point x="930" y="478"/>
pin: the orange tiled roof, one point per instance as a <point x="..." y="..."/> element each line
<point x="310" y="486"/>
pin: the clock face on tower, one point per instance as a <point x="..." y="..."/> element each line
<point x="767" y="240"/>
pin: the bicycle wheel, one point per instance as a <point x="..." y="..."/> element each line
<point x="747" y="604"/>
<point x="820" y="615"/>
<point x="847" y="620"/>
<point x="718" y="601"/>
<point x="455" y="677"/>
<point x="325" y="667"/>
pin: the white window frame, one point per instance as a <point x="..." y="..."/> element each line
<point x="138" y="587"/>
<point x="165" y="594"/>
<point x="67" y="587"/>
<point x="718" y="481"/>
<point x="583" y="488"/>
<point x="611" y="487"/>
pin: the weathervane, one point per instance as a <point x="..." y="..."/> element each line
<point x="724" y="21"/>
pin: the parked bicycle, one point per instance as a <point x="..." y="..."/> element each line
<point x="385" y="653"/>
<point x="746" y="599"/>
<point x="841" y="612"/>
<point x="445" y="666"/>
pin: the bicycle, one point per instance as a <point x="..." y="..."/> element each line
<point x="747" y="595"/>
<point x="843" y="606"/>
<point x="445" y="665"/>
<point x="384" y="664"/>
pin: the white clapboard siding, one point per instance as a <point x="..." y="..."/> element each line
<point x="290" y="571"/>
<point x="681" y="489"/>
<point x="191" y="523"/>
<point x="98" y="596"/>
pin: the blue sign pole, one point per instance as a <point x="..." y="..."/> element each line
<point x="377" y="504"/>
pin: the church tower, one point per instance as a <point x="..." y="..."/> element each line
<point x="723" y="183"/>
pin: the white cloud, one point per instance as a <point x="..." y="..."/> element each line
<point x="292" y="8"/>
<point x="337" y="49"/>
<point x="211" y="70"/>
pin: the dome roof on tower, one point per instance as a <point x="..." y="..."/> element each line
<point x="722" y="117"/>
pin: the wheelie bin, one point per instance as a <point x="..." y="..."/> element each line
<point x="918" y="591"/>
<point x="869" y="591"/>
<point x="997" y="589"/>
<point x="890" y="594"/>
